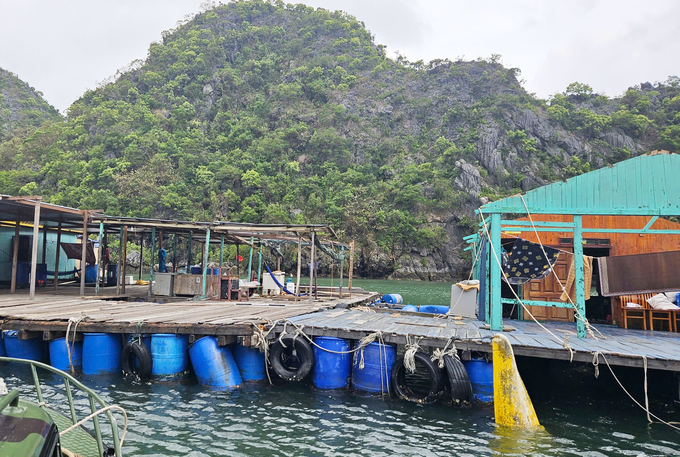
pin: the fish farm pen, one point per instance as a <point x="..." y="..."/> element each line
<point x="204" y="318"/>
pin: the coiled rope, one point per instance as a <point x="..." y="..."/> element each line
<point x="75" y="321"/>
<point x="409" y="356"/>
<point x="438" y="354"/>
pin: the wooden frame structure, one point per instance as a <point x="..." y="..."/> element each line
<point x="643" y="186"/>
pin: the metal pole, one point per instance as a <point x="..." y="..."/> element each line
<point x="351" y="268"/>
<point x="206" y="252"/>
<point x="153" y="248"/>
<point x="174" y="254"/>
<point x="238" y="263"/>
<point x="259" y="266"/>
<point x="250" y="260"/>
<point x="141" y="255"/>
<point x="56" y="258"/>
<point x="99" y="257"/>
<point x="34" y="251"/>
<point x="15" y="258"/>
<point x="83" y="256"/>
<point x="221" y="250"/>
<point x="44" y="249"/>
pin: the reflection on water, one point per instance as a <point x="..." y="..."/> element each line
<point x="413" y="292"/>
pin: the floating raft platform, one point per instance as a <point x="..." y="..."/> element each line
<point x="623" y="347"/>
<point x="50" y="312"/>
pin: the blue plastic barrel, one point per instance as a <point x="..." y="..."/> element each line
<point x="434" y="309"/>
<point x="331" y="370"/>
<point x="101" y="353"/>
<point x="480" y="373"/>
<point x="250" y="362"/>
<point x="392" y="299"/>
<point x="170" y="354"/>
<point x="409" y="308"/>
<point x="23" y="273"/>
<point x="91" y="274"/>
<point x="196" y="270"/>
<point x="59" y="354"/>
<point x="31" y="349"/>
<point x="378" y="362"/>
<point x="214" y="365"/>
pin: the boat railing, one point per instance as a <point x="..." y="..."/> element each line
<point x="96" y="403"/>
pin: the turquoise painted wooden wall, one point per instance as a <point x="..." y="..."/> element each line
<point x="6" y="235"/>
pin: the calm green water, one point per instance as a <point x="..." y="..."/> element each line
<point x="413" y="292"/>
<point x="169" y="419"/>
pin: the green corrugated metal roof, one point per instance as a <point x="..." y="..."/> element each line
<point x="644" y="185"/>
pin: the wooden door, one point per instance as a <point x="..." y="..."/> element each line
<point x="548" y="289"/>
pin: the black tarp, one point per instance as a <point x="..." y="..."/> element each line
<point x="75" y="251"/>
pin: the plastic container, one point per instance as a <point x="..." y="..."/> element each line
<point x="112" y="274"/>
<point x="434" y="309"/>
<point x="59" y="354"/>
<point x="196" y="270"/>
<point x="250" y="362"/>
<point x="91" y="274"/>
<point x="214" y="365"/>
<point x="3" y="352"/>
<point x="331" y="370"/>
<point x="378" y="362"/>
<point x="101" y="353"/>
<point x="170" y="354"/>
<point x="410" y="308"/>
<point x="480" y="373"/>
<point x="392" y="299"/>
<point x="31" y="349"/>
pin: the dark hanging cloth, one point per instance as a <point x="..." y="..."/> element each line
<point x="639" y="273"/>
<point x="526" y="262"/>
<point x="75" y="251"/>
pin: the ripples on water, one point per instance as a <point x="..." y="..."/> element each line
<point x="294" y="419"/>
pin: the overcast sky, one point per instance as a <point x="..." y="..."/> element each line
<point x="63" y="48"/>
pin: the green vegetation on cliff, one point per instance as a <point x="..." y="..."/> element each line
<point x="266" y="112"/>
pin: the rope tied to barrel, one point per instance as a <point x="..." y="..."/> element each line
<point x="438" y="354"/>
<point x="409" y="356"/>
<point x="76" y="321"/>
<point x="365" y="341"/>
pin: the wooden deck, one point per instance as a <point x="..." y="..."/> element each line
<point x="51" y="313"/>
<point x="621" y="347"/>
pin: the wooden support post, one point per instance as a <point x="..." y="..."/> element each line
<point x="579" y="280"/>
<point x="141" y="255"/>
<point x="15" y="258"/>
<point x="120" y="260"/>
<point x="191" y="239"/>
<point x="56" y="258"/>
<point x="238" y="262"/>
<point x="222" y="250"/>
<point x="83" y="256"/>
<point x="250" y="260"/>
<point x="342" y="269"/>
<point x="160" y="240"/>
<point x="259" y="266"/>
<point x="206" y="252"/>
<point x="34" y="250"/>
<point x="351" y="268"/>
<point x="121" y="273"/>
<point x="99" y="257"/>
<point x="312" y="255"/>
<point x="299" y="257"/>
<point x="174" y="254"/>
<point x="153" y="248"/>
<point x="44" y="249"/>
<point x="495" y="305"/>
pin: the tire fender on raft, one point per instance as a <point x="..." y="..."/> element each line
<point x="403" y="391"/>
<point x="136" y="350"/>
<point x="304" y="352"/>
<point x="461" y="387"/>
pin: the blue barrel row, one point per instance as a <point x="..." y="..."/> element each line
<point x="219" y="367"/>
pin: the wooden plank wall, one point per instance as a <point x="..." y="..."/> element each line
<point x="621" y="243"/>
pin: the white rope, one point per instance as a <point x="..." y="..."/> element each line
<point x="521" y="302"/>
<point x="438" y="354"/>
<point x="409" y="356"/>
<point x="579" y="316"/>
<point x="76" y="321"/>
<point x="96" y="413"/>
<point x="596" y="362"/>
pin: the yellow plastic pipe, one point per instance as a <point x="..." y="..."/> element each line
<point x="512" y="405"/>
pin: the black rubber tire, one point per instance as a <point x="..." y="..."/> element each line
<point x="303" y="351"/>
<point x="461" y="387"/>
<point x="403" y="391"/>
<point x="136" y="350"/>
